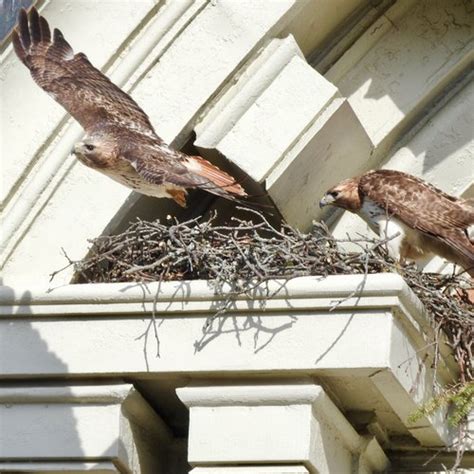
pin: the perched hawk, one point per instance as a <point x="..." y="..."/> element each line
<point x="427" y="220"/>
<point x="119" y="141"/>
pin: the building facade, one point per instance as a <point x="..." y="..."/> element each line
<point x="297" y="95"/>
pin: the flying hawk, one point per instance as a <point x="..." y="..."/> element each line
<point x="120" y="141"/>
<point x="419" y="219"/>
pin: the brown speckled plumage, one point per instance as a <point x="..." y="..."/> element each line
<point x="120" y="140"/>
<point x="432" y="221"/>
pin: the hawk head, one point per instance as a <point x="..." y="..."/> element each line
<point x="345" y="195"/>
<point x="95" y="151"/>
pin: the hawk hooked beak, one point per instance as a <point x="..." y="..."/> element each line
<point x="78" y="148"/>
<point x="326" y="200"/>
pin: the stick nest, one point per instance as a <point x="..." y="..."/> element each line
<point x="250" y="252"/>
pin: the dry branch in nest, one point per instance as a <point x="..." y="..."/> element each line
<point x="251" y="252"/>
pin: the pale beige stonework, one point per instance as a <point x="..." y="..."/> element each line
<point x="298" y="94"/>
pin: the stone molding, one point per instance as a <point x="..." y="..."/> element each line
<point x="224" y="91"/>
<point x="292" y="421"/>
<point x="42" y="425"/>
<point x="397" y="95"/>
<point x="299" y="313"/>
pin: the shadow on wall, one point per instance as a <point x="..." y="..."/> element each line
<point x="50" y="432"/>
<point x="18" y="336"/>
<point x="261" y="332"/>
<point x="253" y="325"/>
<point x="226" y="319"/>
<point x="408" y="62"/>
<point x="445" y="139"/>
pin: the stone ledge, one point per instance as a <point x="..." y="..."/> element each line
<point x="275" y="469"/>
<point x="61" y="467"/>
<point x="295" y="331"/>
<point x="328" y="289"/>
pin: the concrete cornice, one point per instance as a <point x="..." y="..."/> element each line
<point x="384" y="291"/>
<point x="315" y="335"/>
<point x="357" y="291"/>
<point x="211" y="394"/>
<point x="65" y="393"/>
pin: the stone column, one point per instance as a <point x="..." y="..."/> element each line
<point x="63" y="427"/>
<point x="282" y="427"/>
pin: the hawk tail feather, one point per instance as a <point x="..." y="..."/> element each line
<point x="463" y="251"/>
<point x="218" y="181"/>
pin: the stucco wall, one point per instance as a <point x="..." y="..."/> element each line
<point x="219" y="68"/>
<point x="298" y="94"/>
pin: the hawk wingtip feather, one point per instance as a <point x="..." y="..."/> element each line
<point x="34" y="23"/>
<point x="62" y="45"/>
<point x="24" y="29"/>
<point x="44" y="29"/>
<point x="32" y="29"/>
<point x="18" y="46"/>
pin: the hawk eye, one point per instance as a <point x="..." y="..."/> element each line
<point x="334" y="194"/>
<point x="89" y="147"/>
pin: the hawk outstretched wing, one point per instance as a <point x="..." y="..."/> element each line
<point x="120" y="140"/>
<point x="87" y="94"/>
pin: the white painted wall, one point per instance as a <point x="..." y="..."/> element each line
<point x="235" y="73"/>
<point x="414" y="62"/>
<point x="312" y="137"/>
